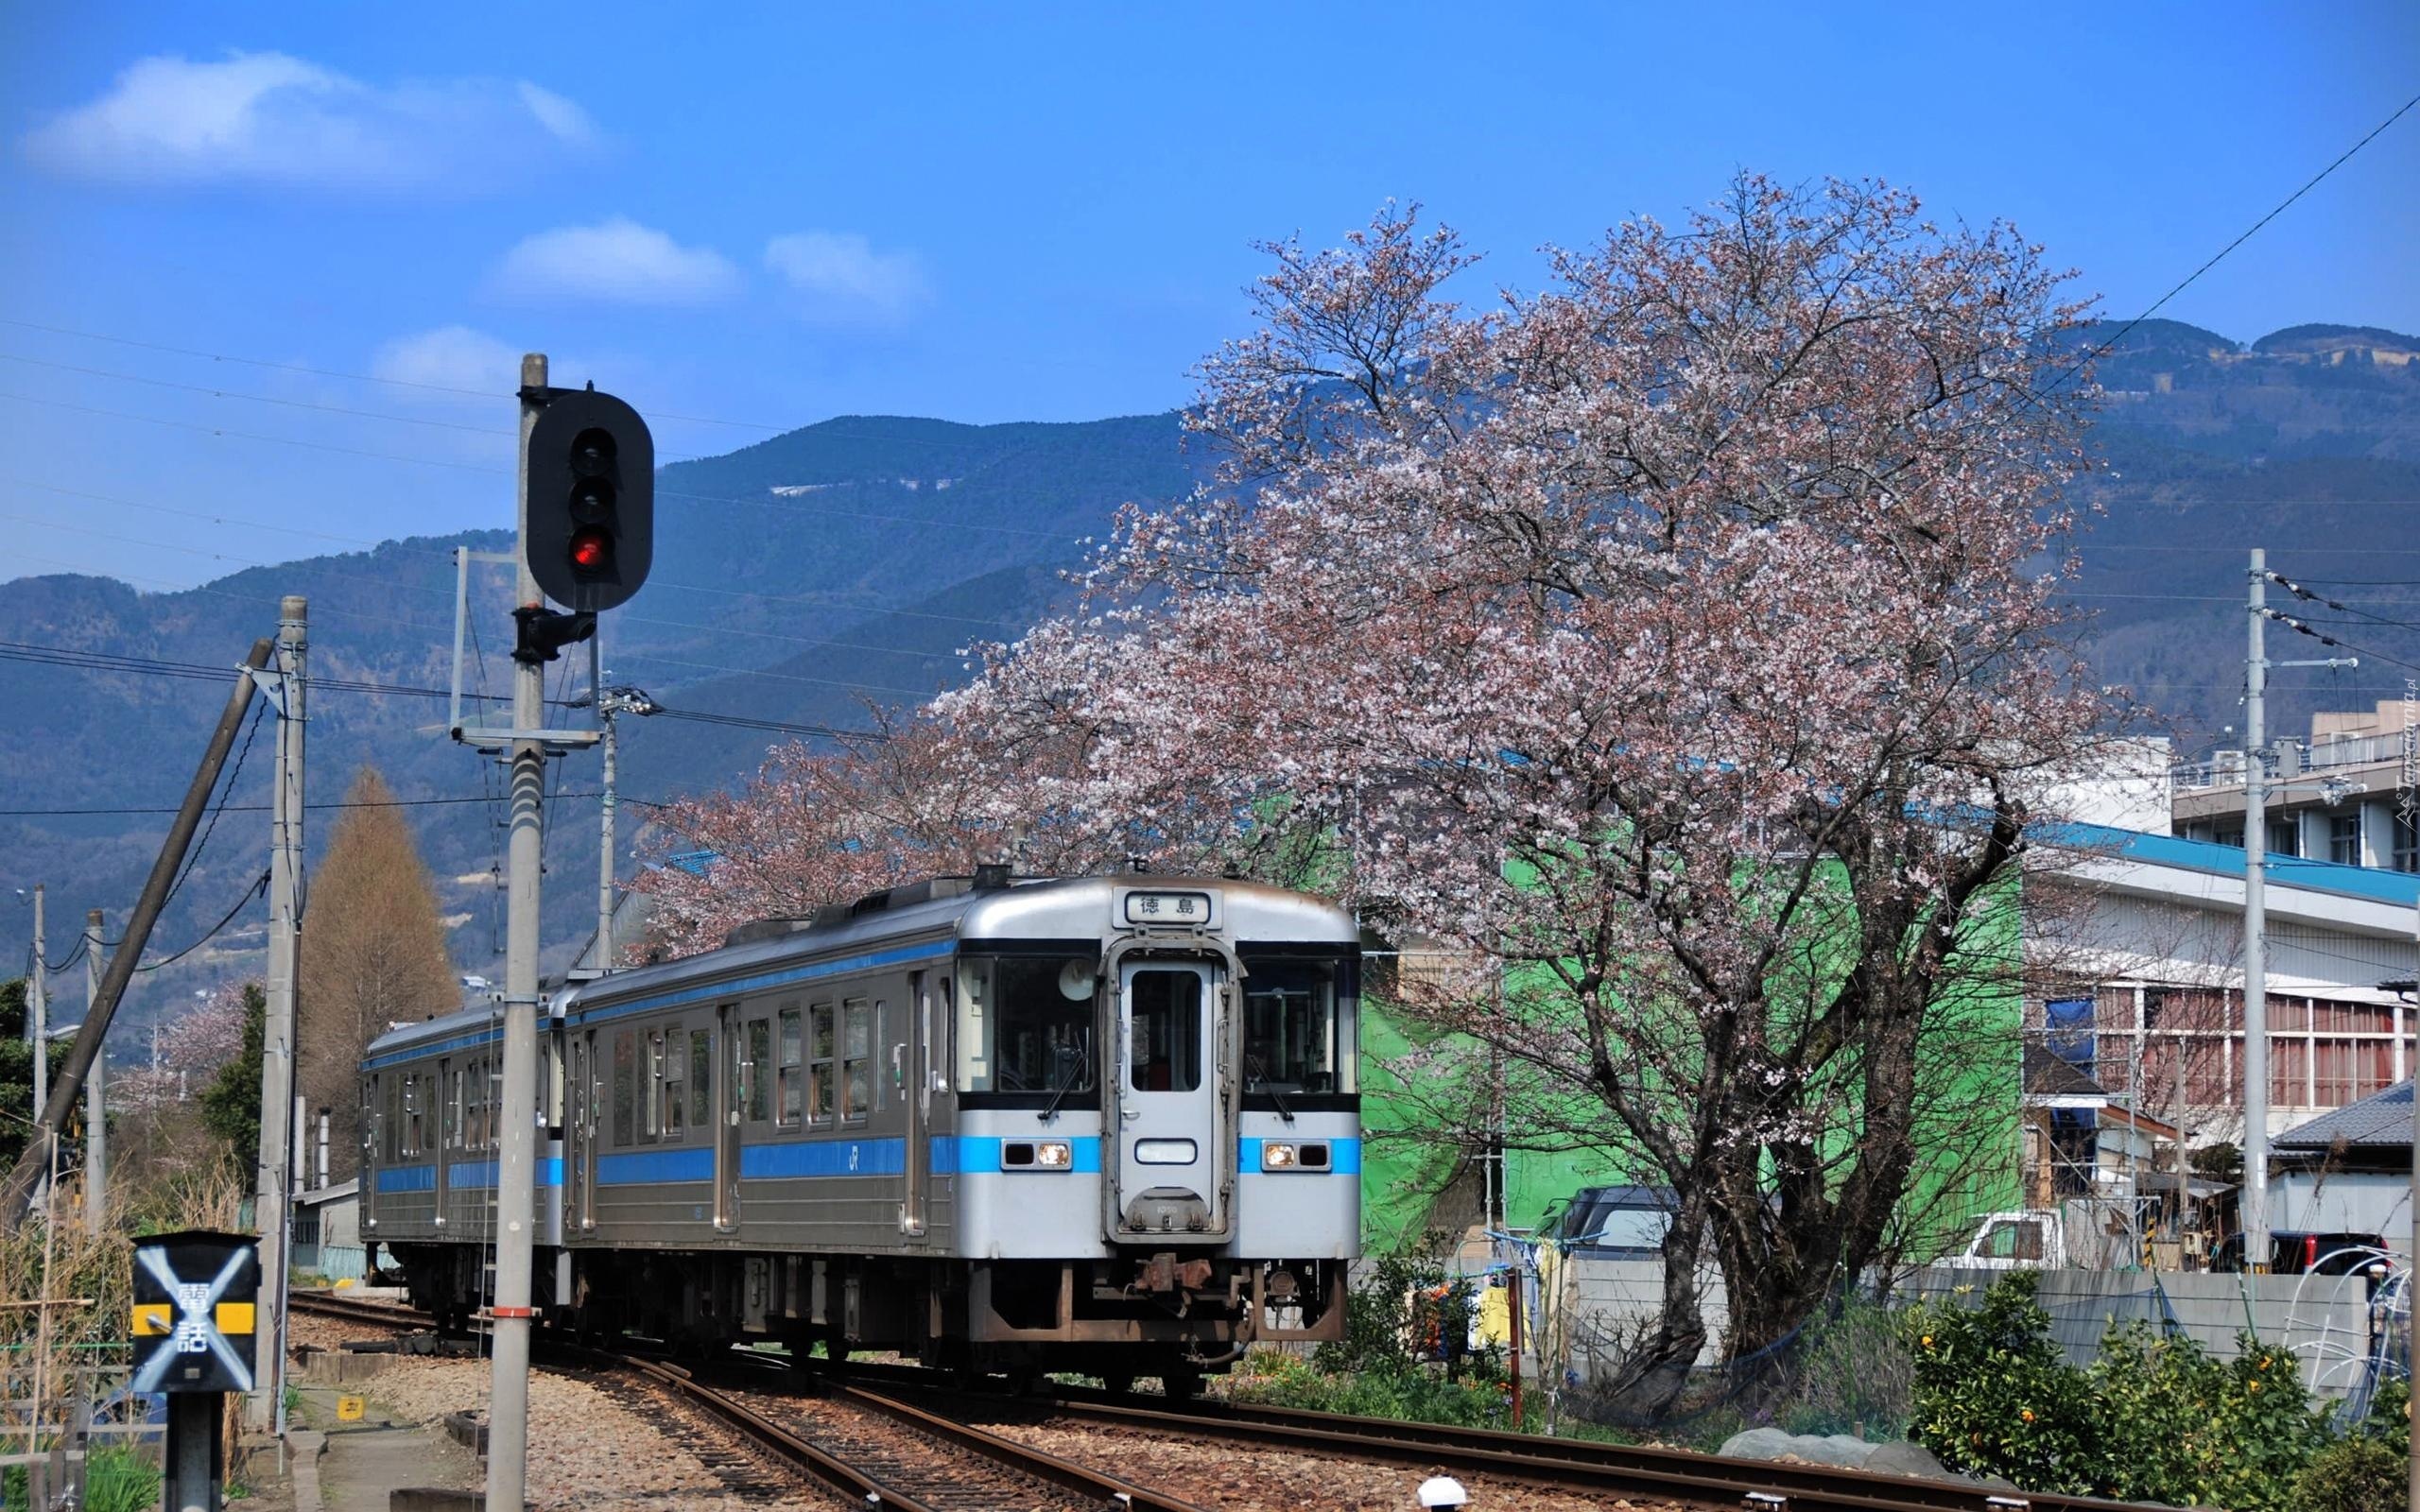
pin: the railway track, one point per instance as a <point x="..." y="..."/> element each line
<point x="1568" y="1463"/>
<point x="925" y="1404"/>
<point x="875" y="1448"/>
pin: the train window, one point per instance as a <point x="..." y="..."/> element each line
<point x="820" y="1100"/>
<point x="1166" y="1054"/>
<point x="702" y="1059"/>
<point x="1295" y="1039"/>
<point x="790" y="1096"/>
<point x="760" y="1060"/>
<point x="676" y="1084"/>
<point x="413" y="1129"/>
<point x="651" y="1087"/>
<point x="452" y="1094"/>
<point x="1025" y="1025"/>
<point x="626" y="1074"/>
<point x="856" y="1058"/>
<point x="474" y="1105"/>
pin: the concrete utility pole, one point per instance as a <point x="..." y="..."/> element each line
<point x="2255" y="969"/>
<point x="607" y="706"/>
<point x="516" y="1157"/>
<point x="612" y="703"/>
<point x="97" y="1127"/>
<point x="272" y="1192"/>
<point x="37" y="1011"/>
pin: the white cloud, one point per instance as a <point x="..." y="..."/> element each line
<point x="838" y="276"/>
<point x="618" y="260"/>
<point x="452" y="356"/>
<point x="272" y="119"/>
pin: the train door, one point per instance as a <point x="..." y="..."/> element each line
<point x="732" y="1074"/>
<point x="915" y="1084"/>
<point x="1170" y="1152"/>
<point x="449" y="1129"/>
<point x="370" y="1126"/>
<point x="580" y="1129"/>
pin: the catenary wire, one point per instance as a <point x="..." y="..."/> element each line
<point x="258" y="889"/>
<point x="152" y="666"/>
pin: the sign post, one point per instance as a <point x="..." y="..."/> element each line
<point x="193" y="1330"/>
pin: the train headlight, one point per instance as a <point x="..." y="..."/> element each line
<point x="1277" y="1156"/>
<point x="1053" y="1155"/>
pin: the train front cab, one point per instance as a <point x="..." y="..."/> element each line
<point x="1213" y="1149"/>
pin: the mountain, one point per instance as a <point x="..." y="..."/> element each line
<point x="794" y="580"/>
<point x="853" y="560"/>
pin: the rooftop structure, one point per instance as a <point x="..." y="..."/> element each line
<point x="2339" y="797"/>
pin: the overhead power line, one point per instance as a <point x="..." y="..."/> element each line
<point x="155" y="667"/>
<point x="2249" y="232"/>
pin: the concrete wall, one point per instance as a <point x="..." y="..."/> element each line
<point x="2359" y="1202"/>
<point x="2325" y="1319"/>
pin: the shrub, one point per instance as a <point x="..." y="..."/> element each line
<point x="2356" y="1474"/>
<point x="1994" y="1394"/>
<point x="1854" y="1375"/>
<point x="2154" y="1419"/>
<point x="2179" y="1427"/>
<point x="1405" y="1313"/>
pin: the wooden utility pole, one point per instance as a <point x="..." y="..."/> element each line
<point x="96" y="1125"/>
<point x="20" y="1184"/>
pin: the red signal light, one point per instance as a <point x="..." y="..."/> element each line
<point x="592" y="551"/>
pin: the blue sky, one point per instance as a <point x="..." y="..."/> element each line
<point x="988" y="214"/>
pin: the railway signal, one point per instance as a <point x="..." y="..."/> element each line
<point x="588" y="499"/>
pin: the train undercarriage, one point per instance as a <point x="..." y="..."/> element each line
<point x="1156" y="1313"/>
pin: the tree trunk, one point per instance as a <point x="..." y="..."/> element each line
<point x="1651" y="1378"/>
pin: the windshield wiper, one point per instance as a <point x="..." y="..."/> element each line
<point x="1066" y="1085"/>
<point x="1252" y="1064"/>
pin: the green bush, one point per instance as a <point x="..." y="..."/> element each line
<point x="1853" y="1374"/>
<point x="2180" y="1427"/>
<point x="2356" y="1474"/>
<point x="2154" y="1419"/>
<point x="1994" y="1394"/>
<point x="1392" y="1323"/>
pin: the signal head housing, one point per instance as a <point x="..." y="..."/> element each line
<point x="588" y="500"/>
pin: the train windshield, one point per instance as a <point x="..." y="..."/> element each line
<point x="1298" y="1026"/>
<point x="1026" y="1025"/>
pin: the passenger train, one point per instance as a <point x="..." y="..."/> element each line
<point x="1104" y="1125"/>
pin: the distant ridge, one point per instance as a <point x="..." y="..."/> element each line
<point x="2307" y="339"/>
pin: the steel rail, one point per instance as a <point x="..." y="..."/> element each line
<point x="766" y="1433"/>
<point x="1576" y="1464"/>
<point x="1040" y="1464"/>
<point x="770" y="1435"/>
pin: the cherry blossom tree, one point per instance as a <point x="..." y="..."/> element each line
<point x="1684" y="637"/>
<point x="192" y="1047"/>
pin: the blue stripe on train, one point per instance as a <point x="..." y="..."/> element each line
<point x="952" y="1154"/>
<point x="477" y="1174"/>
